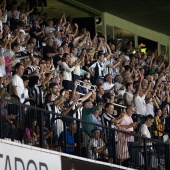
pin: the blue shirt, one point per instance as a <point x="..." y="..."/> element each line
<point x="69" y="141"/>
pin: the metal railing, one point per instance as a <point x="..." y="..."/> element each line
<point x="41" y="128"/>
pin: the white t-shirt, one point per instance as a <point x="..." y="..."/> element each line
<point x="18" y="82"/>
<point x="67" y="73"/>
<point x="2" y="67"/>
<point x="107" y="86"/>
<point x="128" y="97"/>
<point x="1" y="74"/>
<point x="140" y="105"/>
<point x="49" y="30"/>
<point x="118" y="85"/>
<point x="77" y="69"/>
<point x="144" y="131"/>
<point x="26" y="96"/>
<point x="150" y="109"/>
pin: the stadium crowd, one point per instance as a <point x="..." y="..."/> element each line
<point x="55" y="65"/>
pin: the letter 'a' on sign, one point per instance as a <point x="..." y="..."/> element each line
<point x="7" y="163"/>
<point x="19" y="161"/>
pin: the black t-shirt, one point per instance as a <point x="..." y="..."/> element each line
<point x="56" y="60"/>
<point x="13" y="23"/>
<point x="47" y="49"/>
<point x="88" y="64"/>
<point x="99" y="100"/>
<point x="34" y="29"/>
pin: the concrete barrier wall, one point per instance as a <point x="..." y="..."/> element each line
<point x="17" y="156"/>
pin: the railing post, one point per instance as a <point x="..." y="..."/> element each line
<point x="158" y="149"/>
<point x="114" y="146"/>
<point x="0" y="121"/>
<point x="167" y="158"/>
<point x="41" y="124"/>
<point x="78" y="139"/>
<point x="65" y="140"/>
<point x="145" y="154"/>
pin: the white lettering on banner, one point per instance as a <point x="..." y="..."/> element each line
<point x="13" y="157"/>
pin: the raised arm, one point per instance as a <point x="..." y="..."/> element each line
<point x="67" y="68"/>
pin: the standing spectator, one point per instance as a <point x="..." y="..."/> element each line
<point x="13" y="20"/>
<point x="109" y="121"/>
<point x="158" y="125"/>
<point x="50" y="30"/>
<point x="128" y="125"/>
<point x="87" y="115"/>
<point x="96" y="118"/>
<point x="68" y="144"/>
<point x="73" y="61"/>
<point x="36" y="90"/>
<point x="139" y="101"/>
<point x="67" y="73"/>
<point x="120" y="89"/>
<point x="108" y="84"/>
<point x="48" y="50"/>
<point x="55" y="90"/>
<point x="96" y="146"/>
<point x="57" y="60"/>
<point x="26" y="95"/>
<point x="128" y="96"/>
<point x="144" y="131"/>
<point x="166" y="119"/>
<point x="8" y="127"/>
<point x="2" y="66"/>
<point x="100" y="93"/>
<point x="34" y="68"/>
<point x="98" y="68"/>
<point x="17" y="82"/>
<point x="37" y="32"/>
